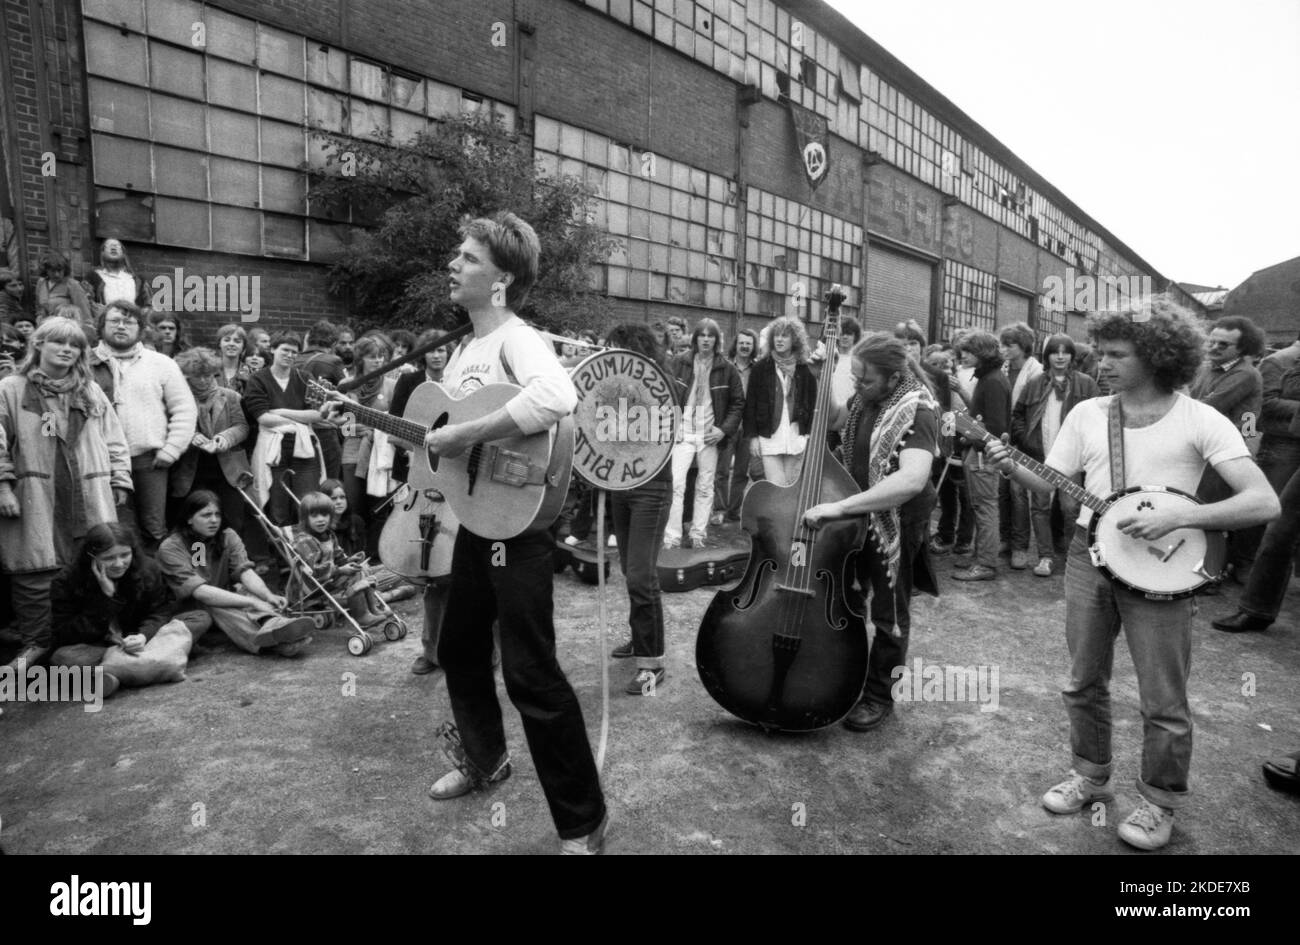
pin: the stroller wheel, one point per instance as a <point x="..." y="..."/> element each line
<point x="392" y="630"/>
<point x="401" y="631"/>
<point x="360" y="645"/>
<point x="321" y="621"/>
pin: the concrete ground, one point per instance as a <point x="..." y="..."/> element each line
<point x="330" y="753"/>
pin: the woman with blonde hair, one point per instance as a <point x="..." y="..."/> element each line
<point x="64" y="467"/>
<point x="781" y="400"/>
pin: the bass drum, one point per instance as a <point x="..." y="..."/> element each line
<point x="626" y="420"/>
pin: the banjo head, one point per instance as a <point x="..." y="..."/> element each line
<point x="1171" y="567"/>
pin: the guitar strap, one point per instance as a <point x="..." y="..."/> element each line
<point x="1116" y="431"/>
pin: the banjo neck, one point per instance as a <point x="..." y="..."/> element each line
<point x="971" y="430"/>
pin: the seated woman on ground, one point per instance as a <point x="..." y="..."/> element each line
<point x="203" y="562"/>
<point x="110" y="606"/>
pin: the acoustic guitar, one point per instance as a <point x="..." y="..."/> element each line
<point x="1174" y="566"/>
<point x="497" y="489"/>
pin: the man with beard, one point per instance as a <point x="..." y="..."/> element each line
<point x="891" y="438"/>
<point x="155" y="405"/>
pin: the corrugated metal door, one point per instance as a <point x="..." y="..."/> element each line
<point x="899" y="287"/>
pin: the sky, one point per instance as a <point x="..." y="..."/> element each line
<point x="1173" y="123"/>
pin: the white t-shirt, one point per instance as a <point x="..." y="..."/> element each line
<point x="1171" y="452"/>
<point x="548" y="393"/>
<point x="118" y="286"/>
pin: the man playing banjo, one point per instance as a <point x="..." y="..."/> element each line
<point x="1167" y="439"/>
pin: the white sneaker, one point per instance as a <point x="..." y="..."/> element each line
<point x="611" y="541"/>
<point x="1148" y="827"/>
<point x="1075" y="793"/>
<point x="571" y="540"/>
<point x="1044" y="567"/>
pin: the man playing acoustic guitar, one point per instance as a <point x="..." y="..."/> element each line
<point x="1167" y="439"/>
<point x="509" y="580"/>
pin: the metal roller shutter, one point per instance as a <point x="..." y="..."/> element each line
<point x="898" y="288"/>
<point x="1012" y="307"/>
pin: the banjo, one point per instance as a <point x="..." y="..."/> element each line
<point x="1171" y="567"/>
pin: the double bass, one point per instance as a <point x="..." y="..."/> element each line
<point x="785" y="650"/>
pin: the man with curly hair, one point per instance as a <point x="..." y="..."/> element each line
<point x="1167" y="439"/>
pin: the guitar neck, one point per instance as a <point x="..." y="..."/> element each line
<point x="406" y="430"/>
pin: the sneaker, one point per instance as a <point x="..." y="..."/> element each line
<point x="571" y="540"/>
<point x="962" y="551"/>
<point x="716" y="518"/>
<point x="976" y="572"/>
<point x="593" y="844"/>
<point x="699" y="541"/>
<point x="1075" y="793"/>
<point x="623" y="652"/>
<point x="456" y="783"/>
<point x="1020" y="560"/>
<point x="1148" y="827"/>
<point x="940" y="547"/>
<point x="672" y="544"/>
<point x="1044" y="567"/>
<point x="286" y="629"/>
<point x="646" y="682"/>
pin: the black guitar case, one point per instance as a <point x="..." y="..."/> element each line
<point x="685" y="569"/>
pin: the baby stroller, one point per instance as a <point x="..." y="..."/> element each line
<point x="364" y="612"/>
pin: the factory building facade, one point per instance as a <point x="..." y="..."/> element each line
<point x="746" y="153"/>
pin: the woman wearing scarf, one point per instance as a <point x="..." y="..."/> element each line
<point x="781" y="399"/>
<point x="1036" y="420"/>
<point x="61" y="448"/>
<point x="891" y="437"/>
<point x="215" y="459"/>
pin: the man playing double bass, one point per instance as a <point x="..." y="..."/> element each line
<point x="890" y="439"/>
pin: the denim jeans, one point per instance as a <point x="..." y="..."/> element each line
<point x="511" y="582"/>
<point x="435" y="608"/>
<point x="149" y="499"/>
<point x="733" y="475"/>
<point x="1271" y="575"/>
<point x="706" y="458"/>
<point x="640" y="516"/>
<point x="956" y="517"/>
<point x="1020" y="519"/>
<point x="1040" y="507"/>
<point x="982" y="484"/>
<point x="1159" y="636"/>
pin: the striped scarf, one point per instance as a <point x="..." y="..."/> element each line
<point x="893" y="424"/>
